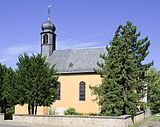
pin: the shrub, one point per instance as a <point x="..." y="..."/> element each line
<point x="71" y="111"/>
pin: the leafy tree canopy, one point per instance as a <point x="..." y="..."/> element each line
<point x="153" y="90"/>
<point x="7" y="88"/>
<point x="37" y="82"/>
<point x="123" y="73"/>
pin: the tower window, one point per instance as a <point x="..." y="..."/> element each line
<point x="58" y="95"/>
<point x="82" y="90"/>
<point x="45" y="39"/>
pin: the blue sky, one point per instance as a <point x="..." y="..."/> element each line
<point x="79" y="23"/>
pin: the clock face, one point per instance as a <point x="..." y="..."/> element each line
<point x="45" y="39"/>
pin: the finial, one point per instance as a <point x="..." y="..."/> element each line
<point x="49" y="9"/>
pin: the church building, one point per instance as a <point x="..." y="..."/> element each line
<point x="76" y="73"/>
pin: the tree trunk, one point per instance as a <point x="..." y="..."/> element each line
<point x="32" y="108"/>
<point x="29" y="109"/>
<point x="36" y="110"/>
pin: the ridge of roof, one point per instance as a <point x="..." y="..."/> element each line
<point x="94" y="47"/>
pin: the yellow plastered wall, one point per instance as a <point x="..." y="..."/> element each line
<point x="70" y="93"/>
<point x="24" y="110"/>
<point x="21" y="109"/>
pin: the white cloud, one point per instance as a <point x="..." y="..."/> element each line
<point x="9" y="56"/>
<point x="90" y="40"/>
<point x="70" y="43"/>
<point x="15" y="50"/>
<point x="3" y="60"/>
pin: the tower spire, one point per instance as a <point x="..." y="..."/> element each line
<point x="49" y="11"/>
<point x="48" y="36"/>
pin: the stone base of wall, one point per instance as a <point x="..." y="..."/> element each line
<point x="1" y="116"/>
<point x="80" y="121"/>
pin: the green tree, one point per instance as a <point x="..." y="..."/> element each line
<point x="7" y="89"/>
<point x="153" y="90"/>
<point x="2" y="72"/>
<point x="123" y="74"/>
<point x="36" y="81"/>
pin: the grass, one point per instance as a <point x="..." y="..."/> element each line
<point x="136" y="124"/>
<point x="154" y="117"/>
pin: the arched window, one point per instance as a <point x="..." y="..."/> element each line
<point x="58" y="94"/>
<point x="82" y="91"/>
<point x="45" y="39"/>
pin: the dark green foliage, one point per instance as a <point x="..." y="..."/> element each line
<point x="36" y="82"/>
<point x="2" y="68"/>
<point x="154" y="90"/>
<point x="7" y="89"/>
<point x="123" y="72"/>
<point x="9" y="113"/>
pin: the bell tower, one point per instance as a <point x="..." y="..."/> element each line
<point x="48" y="37"/>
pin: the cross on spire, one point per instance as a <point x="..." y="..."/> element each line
<point x="49" y="11"/>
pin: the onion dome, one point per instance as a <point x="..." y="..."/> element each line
<point x="48" y="25"/>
